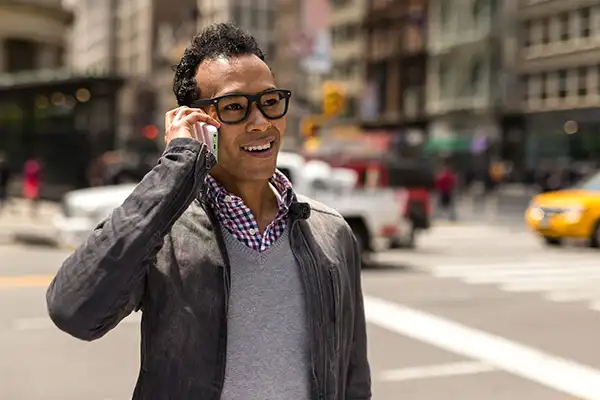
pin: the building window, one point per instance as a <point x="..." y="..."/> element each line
<point x="565" y="32"/>
<point x="582" y="89"/>
<point x="562" y="84"/>
<point x="444" y="76"/>
<point x="444" y="14"/>
<point x="544" y="86"/>
<point x="584" y="16"/>
<point x="236" y="15"/>
<point x="525" y="83"/>
<point x="545" y="31"/>
<point x="271" y="16"/>
<point x="478" y="10"/>
<point x="340" y="3"/>
<point x="527" y="33"/>
<point x="475" y="79"/>
<point x="20" y="55"/>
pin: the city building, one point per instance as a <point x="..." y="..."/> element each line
<point x="131" y="39"/>
<point x="394" y="93"/>
<point x="560" y="75"/>
<point x="92" y="42"/>
<point x="256" y="16"/>
<point x="347" y="52"/>
<point x="463" y="67"/>
<point x="286" y="64"/>
<point x="46" y="110"/>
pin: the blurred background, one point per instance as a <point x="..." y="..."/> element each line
<point x="476" y="123"/>
<point x="478" y="81"/>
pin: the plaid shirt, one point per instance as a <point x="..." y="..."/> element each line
<point x="237" y="218"/>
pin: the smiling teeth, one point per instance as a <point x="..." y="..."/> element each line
<point x="258" y="148"/>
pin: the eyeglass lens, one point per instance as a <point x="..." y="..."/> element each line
<point x="234" y="109"/>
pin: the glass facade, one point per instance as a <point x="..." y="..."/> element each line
<point x="62" y="124"/>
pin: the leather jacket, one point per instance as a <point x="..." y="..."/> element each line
<point x="159" y="253"/>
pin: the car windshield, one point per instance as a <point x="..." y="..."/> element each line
<point x="593" y="183"/>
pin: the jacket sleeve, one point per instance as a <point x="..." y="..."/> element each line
<point x="103" y="281"/>
<point x="358" y="380"/>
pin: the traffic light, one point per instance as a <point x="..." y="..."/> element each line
<point x="334" y="99"/>
<point x="310" y="127"/>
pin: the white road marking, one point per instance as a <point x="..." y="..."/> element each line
<point x="513" y="265"/>
<point x="565" y="277"/>
<point x="435" y="371"/>
<point x="566" y="294"/>
<point x="35" y="324"/>
<point x="554" y="372"/>
<point x="483" y="276"/>
<point x="547" y="283"/>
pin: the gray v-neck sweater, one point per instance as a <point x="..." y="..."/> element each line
<point x="268" y="339"/>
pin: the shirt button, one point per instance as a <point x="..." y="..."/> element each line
<point x="252" y="231"/>
<point x="228" y="198"/>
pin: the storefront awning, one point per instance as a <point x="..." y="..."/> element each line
<point x="448" y="144"/>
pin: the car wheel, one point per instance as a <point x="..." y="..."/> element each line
<point x="595" y="237"/>
<point x="552" y="241"/>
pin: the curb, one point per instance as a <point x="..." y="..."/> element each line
<point x="34" y="239"/>
<point x="28" y="238"/>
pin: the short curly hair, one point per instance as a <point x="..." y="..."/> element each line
<point x="222" y="39"/>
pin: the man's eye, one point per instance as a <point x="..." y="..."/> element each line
<point x="270" y="102"/>
<point x="234" y="107"/>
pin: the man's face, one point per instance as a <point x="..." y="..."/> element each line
<point x="242" y="75"/>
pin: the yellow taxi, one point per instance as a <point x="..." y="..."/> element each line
<point x="568" y="214"/>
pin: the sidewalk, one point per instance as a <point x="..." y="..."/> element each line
<point x="17" y="224"/>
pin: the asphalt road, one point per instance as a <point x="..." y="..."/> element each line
<point x="474" y="313"/>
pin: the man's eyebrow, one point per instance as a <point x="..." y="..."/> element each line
<point x="238" y="92"/>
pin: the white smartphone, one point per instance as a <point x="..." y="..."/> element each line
<point x="214" y="134"/>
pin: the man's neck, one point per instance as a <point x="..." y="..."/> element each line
<point x="257" y="195"/>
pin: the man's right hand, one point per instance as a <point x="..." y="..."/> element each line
<point x="183" y="122"/>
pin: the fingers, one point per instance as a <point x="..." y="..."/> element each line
<point x="193" y="116"/>
<point x="184" y="122"/>
<point x="181" y="113"/>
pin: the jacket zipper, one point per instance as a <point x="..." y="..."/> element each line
<point x="333" y="278"/>
<point x="323" y="338"/>
<point x="226" y="286"/>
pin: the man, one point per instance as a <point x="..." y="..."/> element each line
<point x="248" y="291"/>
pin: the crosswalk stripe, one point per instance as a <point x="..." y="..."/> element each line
<point x="480" y="267"/>
<point x="557" y="277"/>
<point x="540" y="274"/>
<point x="545" y="284"/>
<point x="562" y="295"/>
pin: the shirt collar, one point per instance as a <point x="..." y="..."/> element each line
<point x="217" y="193"/>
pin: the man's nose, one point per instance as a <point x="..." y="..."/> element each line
<point x="257" y="121"/>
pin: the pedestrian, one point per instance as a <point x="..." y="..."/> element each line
<point x="32" y="172"/>
<point x="5" y="177"/>
<point x="446" y="182"/>
<point x="247" y="289"/>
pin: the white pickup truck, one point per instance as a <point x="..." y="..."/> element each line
<point x="375" y="215"/>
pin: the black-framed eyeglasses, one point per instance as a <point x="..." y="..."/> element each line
<point x="235" y="108"/>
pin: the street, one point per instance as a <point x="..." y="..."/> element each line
<point x="475" y="312"/>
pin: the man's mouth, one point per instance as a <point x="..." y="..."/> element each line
<point x="257" y="149"/>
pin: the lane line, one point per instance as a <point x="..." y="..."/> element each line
<point x="436" y="371"/>
<point x="25" y="281"/>
<point x="554" y="372"/>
